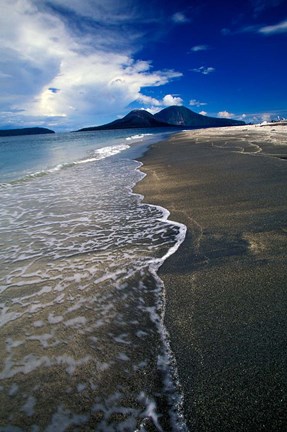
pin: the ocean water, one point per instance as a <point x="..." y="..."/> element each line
<point x="83" y="346"/>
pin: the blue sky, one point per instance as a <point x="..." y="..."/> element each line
<point x="67" y="64"/>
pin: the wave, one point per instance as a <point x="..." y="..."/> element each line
<point x="89" y="271"/>
<point x="103" y="153"/>
<point x="166" y="359"/>
<point x="99" y="154"/>
<point x="137" y="137"/>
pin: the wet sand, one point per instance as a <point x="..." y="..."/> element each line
<point x="226" y="287"/>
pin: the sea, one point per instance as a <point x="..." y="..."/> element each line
<point x="83" y="346"/>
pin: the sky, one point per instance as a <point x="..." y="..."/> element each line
<point x="67" y="64"/>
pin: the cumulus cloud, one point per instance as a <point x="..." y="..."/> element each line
<point x="172" y="100"/>
<point x="204" y="70"/>
<point x="179" y="18"/>
<point x="203" y="113"/>
<point x="53" y="73"/>
<point x="197" y="48"/>
<point x="194" y="102"/>
<point x="225" y="114"/>
<point x="156" y="105"/>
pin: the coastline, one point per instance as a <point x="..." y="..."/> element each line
<point x="225" y="286"/>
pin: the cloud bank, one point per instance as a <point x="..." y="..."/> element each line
<point x="61" y="64"/>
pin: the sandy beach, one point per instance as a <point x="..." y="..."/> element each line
<point x="226" y="286"/>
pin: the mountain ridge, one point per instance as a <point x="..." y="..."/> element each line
<point x="173" y="116"/>
<point x="182" y="116"/>
<point x="134" y="119"/>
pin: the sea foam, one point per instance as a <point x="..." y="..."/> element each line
<point x="79" y="278"/>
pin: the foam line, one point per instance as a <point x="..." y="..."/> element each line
<point x="167" y="360"/>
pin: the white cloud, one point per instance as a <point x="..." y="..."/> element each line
<point x="264" y="30"/>
<point x="179" y="18"/>
<point x="225" y="114"/>
<point x="273" y="29"/>
<point x="197" y="48"/>
<point x="99" y="10"/>
<point x="204" y="70"/>
<point x="98" y="83"/>
<point x="157" y="104"/>
<point x="94" y="72"/>
<point x="171" y="100"/>
<point x="203" y="113"/>
<point x="194" y="102"/>
<point x="148" y="100"/>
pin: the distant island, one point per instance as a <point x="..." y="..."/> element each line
<point x="173" y="116"/>
<point x="25" y="131"/>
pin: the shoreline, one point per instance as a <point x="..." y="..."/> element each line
<point x="225" y="296"/>
<point x="166" y="364"/>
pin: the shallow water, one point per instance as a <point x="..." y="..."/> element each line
<point x="83" y="346"/>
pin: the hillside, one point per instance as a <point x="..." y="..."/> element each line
<point x="135" y="119"/>
<point x="181" y="116"/>
<point x="168" y="117"/>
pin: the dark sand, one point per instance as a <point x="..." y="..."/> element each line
<point x="226" y="286"/>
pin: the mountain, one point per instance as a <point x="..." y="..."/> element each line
<point x="135" y="119"/>
<point x="25" y="131"/>
<point x="181" y="116"/>
<point x="168" y="117"/>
